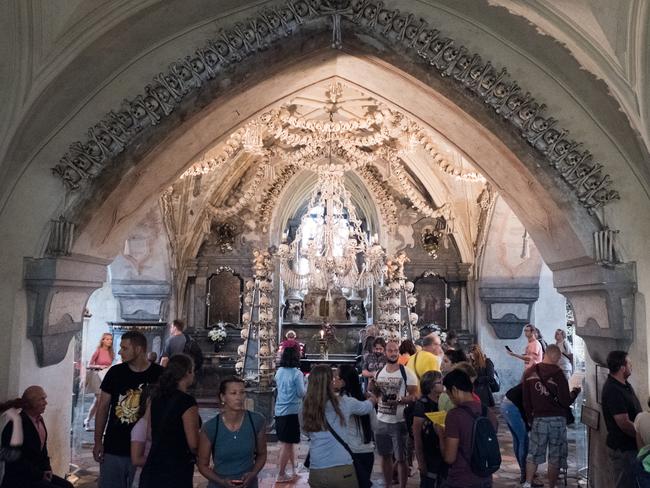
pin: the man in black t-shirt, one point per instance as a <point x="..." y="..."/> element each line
<point x="620" y="407"/>
<point x="117" y="411"/>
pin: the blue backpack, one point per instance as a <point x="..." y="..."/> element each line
<point x="486" y="456"/>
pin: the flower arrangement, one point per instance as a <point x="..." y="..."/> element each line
<point x="218" y="333"/>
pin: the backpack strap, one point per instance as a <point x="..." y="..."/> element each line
<point x="380" y="370"/>
<point x="250" y="419"/>
<point x="216" y="431"/>
<point x="471" y="412"/>
<point x="402" y="370"/>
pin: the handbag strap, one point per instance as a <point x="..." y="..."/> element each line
<point x="554" y="394"/>
<point x="338" y="438"/>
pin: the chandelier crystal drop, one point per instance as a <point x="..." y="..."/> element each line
<point x="330" y="243"/>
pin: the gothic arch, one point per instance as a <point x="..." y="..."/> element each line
<point x="430" y="77"/>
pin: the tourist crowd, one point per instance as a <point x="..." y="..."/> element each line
<point x="430" y="406"/>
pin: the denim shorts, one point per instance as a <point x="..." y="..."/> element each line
<point x="391" y="439"/>
<point x="548" y="432"/>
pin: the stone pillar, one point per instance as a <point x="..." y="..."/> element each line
<point x="58" y="289"/>
<point x="603" y="304"/>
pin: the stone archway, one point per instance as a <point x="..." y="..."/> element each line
<point x="399" y="68"/>
<point x="149" y="143"/>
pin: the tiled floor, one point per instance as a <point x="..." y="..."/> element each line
<point x="506" y="477"/>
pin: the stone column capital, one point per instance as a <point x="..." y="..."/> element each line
<point x="57" y="291"/>
<point x="602" y="298"/>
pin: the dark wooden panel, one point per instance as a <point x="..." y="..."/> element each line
<point x="224" y="304"/>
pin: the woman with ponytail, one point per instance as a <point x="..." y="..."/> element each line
<point x="174" y="426"/>
<point x="325" y="417"/>
<point x="359" y="427"/>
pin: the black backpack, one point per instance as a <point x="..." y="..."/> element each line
<point x="486" y="456"/>
<point x="641" y="476"/>
<point x="193" y="350"/>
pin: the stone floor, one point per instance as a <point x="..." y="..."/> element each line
<point x="85" y="469"/>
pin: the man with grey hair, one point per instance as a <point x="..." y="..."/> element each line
<point x="427" y="359"/>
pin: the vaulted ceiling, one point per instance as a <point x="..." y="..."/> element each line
<point x="265" y="172"/>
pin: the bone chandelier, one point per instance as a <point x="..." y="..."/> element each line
<point x="330" y="243"/>
<point x="343" y="131"/>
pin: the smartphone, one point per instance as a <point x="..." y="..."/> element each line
<point x="508" y="349"/>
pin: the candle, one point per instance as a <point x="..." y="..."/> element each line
<point x="322" y="334"/>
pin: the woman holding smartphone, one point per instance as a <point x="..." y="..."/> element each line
<point x="233" y="442"/>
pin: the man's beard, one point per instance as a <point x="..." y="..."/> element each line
<point x="391" y="361"/>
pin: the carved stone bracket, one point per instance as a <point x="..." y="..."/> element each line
<point x="509" y="308"/>
<point x="603" y="304"/>
<point x="58" y="289"/>
<point x="144" y="300"/>
<point x="85" y="160"/>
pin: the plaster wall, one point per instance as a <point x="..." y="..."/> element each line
<point x="503" y="266"/>
<point x="549" y="312"/>
<point x="145" y="254"/>
<point x="55" y="380"/>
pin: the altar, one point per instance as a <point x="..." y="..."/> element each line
<point x="344" y="342"/>
<point x="333" y="360"/>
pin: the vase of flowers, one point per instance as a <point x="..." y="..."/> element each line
<point x="217" y="334"/>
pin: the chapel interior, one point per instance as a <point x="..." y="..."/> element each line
<point x="321" y="166"/>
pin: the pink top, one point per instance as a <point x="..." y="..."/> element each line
<point x="139" y="434"/>
<point x="534" y="353"/>
<point x="101" y="357"/>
